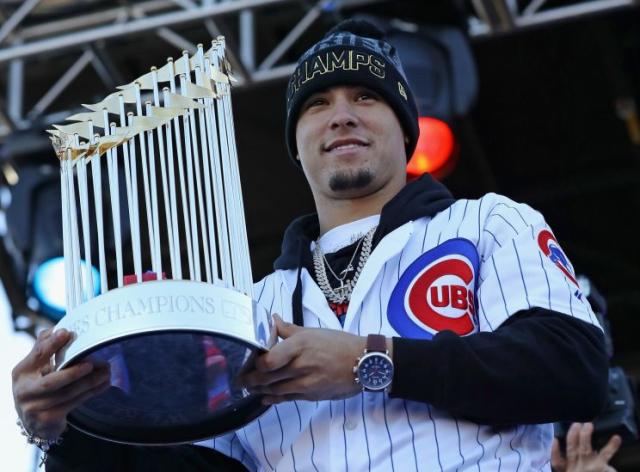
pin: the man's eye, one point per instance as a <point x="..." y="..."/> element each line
<point x="315" y="102"/>
<point x="366" y="96"/>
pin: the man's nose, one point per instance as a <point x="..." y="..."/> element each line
<point x="343" y="115"/>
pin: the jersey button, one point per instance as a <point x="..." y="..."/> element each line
<point x="351" y="425"/>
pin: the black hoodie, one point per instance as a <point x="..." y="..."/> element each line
<point x="539" y="366"/>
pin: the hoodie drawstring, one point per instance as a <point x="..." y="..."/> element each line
<point x="296" y="300"/>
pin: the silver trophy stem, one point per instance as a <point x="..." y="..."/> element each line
<point x="132" y="195"/>
<point x="145" y="180"/>
<point x="114" y="190"/>
<point x="173" y="229"/>
<point x="220" y="207"/>
<point x="64" y="191"/>
<point x="75" y="243"/>
<point x="96" y="176"/>
<point x="187" y="122"/>
<point x="186" y="77"/>
<point x="228" y="195"/>
<point x="134" y="210"/>
<point x="163" y="172"/>
<point x="84" y="216"/>
<point x="244" y="250"/>
<point x="239" y="249"/>
<point x="157" y="268"/>
<point x="206" y="157"/>
<point x="183" y="192"/>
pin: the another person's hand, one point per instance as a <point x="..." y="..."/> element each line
<point x="580" y="456"/>
<point x="309" y="364"/>
<point x="43" y="397"/>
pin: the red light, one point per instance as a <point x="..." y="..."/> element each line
<point x="434" y="149"/>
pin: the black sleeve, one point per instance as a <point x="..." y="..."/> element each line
<point x="81" y="453"/>
<point x="538" y="367"/>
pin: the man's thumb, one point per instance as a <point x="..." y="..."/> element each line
<point x="285" y="329"/>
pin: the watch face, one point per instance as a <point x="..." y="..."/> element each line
<point x="375" y="371"/>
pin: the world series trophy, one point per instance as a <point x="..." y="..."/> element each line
<point x="172" y="314"/>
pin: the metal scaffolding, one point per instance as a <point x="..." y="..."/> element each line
<point x="85" y="32"/>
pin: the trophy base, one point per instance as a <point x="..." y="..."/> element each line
<point x="173" y="364"/>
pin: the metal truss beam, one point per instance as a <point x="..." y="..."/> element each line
<point x="499" y="16"/>
<point x="131" y="27"/>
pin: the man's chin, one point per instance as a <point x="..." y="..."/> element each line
<point x="350" y="181"/>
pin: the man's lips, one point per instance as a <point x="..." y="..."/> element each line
<point x="345" y="144"/>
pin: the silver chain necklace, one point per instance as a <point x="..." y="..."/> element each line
<point x="342" y="293"/>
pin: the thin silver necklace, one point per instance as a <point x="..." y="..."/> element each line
<point x="342" y="293"/>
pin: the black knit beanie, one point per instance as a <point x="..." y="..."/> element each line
<point x="352" y="53"/>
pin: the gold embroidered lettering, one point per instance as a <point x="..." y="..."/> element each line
<point x="336" y="62"/>
<point x="377" y="67"/>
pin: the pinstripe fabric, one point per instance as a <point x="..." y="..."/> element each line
<point x="373" y="432"/>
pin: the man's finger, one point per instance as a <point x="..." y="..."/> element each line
<point x="612" y="446"/>
<point x="279" y="356"/>
<point x="285" y="329"/>
<point x="584" y="447"/>
<point x="73" y="390"/>
<point x="56" y="381"/>
<point x="275" y="399"/>
<point x="83" y="397"/>
<point x="254" y="380"/>
<point x="284" y="388"/>
<point x="45" y="333"/>
<point x="572" y="442"/>
<point x="558" y="462"/>
<point x="46" y="347"/>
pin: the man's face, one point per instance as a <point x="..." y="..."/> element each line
<point x="350" y="143"/>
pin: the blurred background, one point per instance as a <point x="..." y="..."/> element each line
<point x="534" y="99"/>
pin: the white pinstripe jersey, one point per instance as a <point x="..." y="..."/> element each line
<point x="472" y="265"/>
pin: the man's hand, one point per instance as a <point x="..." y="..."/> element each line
<point x="42" y="397"/>
<point x="580" y="456"/>
<point x="308" y="364"/>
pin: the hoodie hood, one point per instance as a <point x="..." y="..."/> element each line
<point x="422" y="197"/>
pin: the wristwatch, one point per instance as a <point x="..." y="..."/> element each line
<point x="374" y="370"/>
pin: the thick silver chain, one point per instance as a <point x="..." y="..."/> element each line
<point x="342" y="293"/>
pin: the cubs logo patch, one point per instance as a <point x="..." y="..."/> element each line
<point x="550" y="248"/>
<point x="437" y="292"/>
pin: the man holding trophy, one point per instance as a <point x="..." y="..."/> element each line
<point x="416" y="331"/>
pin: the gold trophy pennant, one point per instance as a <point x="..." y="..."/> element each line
<point x="166" y="73"/>
<point x="96" y="117"/>
<point x="58" y="141"/>
<point x="147" y="123"/>
<point x="206" y="83"/>
<point x="181" y="65"/>
<point x="180" y="101"/>
<point x="77" y="152"/>
<point x="82" y="129"/>
<point x="195" y="91"/>
<point x="125" y="132"/>
<point x="106" y="143"/>
<point x="194" y="62"/>
<point x="160" y="112"/>
<point x="145" y="82"/>
<point x="111" y="103"/>
<point x="218" y="76"/>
